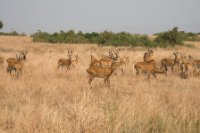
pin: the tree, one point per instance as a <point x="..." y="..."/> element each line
<point x="171" y="37"/>
<point x="1" y="24"/>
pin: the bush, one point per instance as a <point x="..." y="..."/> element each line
<point x="13" y="33"/>
<point x="103" y="38"/>
<point x="175" y="37"/>
<point x="40" y="36"/>
<point x="165" y="39"/>
<point x="171" y="38"/>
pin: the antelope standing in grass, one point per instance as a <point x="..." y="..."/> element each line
<point x="63" y="62"/>
<point x="107" y="61"/>
<point x="101" y="72"/>
<point x="196" y="65"/>
<point x="149" y="68"/>
<point x="184" y="70"/>
<point x="165" y="63"/>
<point x="148" y="55"/>
<point x="75" y="61"/>
<point x="1" y="61"/>
<point x="16" y="64"/>
<point x="94" y="61"/>
<point x="189" y="66"/>
<point x="186" y="66"/>
<point x="123" y="61"/>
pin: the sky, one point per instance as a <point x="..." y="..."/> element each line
<point x="134" y="16"/>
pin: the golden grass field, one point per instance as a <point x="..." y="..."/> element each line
<point x="44" y="99"/>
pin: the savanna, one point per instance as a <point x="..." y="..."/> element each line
<point x="43" y="98"/>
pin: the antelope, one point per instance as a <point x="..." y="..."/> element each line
<point x="190" y="66"/>
<point x="123" y="62"/>
<point x="170" y="62"/>
<point x="184" y="70"/>
<point x="101" y="72"/>
<point x="107" y="61"/>
<point x="196" y="65"/>
<point x="13" y="60"/>
<point x="94" y="61"/>
<point x="75" y="61"/>
<point x="1" y="61"/>
<point x="63" y="62"/>
<point x="186" y="67"/>
<point x="148" y="67"/>
<point x="16" y="64"/>
<point x="148" y="55"/>
<point x="110" y="54"/>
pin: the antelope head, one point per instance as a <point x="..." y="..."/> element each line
<point x="116" y="56"/>
<point x="23" y="55"/>
<point x="110" y="54"/>
<point x="150" y="51"/>
<point x="190" y="58"/>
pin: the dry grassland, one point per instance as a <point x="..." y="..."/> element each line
<point x="45" y="100"/>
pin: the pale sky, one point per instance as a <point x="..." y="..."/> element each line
<point x="134" y="16"/>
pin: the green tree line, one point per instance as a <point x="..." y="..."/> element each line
<point x="165" y="39"/>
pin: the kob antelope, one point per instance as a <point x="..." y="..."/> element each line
<point x="101" y="72"/>
<point x="196" y="65"/>
<point x="149" y="68"/>
<point x="148" y="55"/>
<point x="63" y="62"/>
<point x="165" y="63"/>
<point x="106" y="61"/>
<point x="16" y="64"/>
<point x="123" y="61"/>
<point x="189" y="66"/>
<point x="74" y="62"/>
<point x="94" y="61"/>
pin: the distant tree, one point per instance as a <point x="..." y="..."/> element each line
<point x="173" y="34"/>
<point x="1" y="24"/>
<point x="171" y="37"/>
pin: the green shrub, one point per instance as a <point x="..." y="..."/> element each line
<point x="13" y="33"/>
<point x="165" y="39"/>
<point x="40" y="36"/>
<point x="171" y="38"/>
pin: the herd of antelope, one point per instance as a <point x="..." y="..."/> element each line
<point x="107" y="64"/>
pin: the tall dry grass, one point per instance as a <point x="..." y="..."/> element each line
<point x="44" y="99"/>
